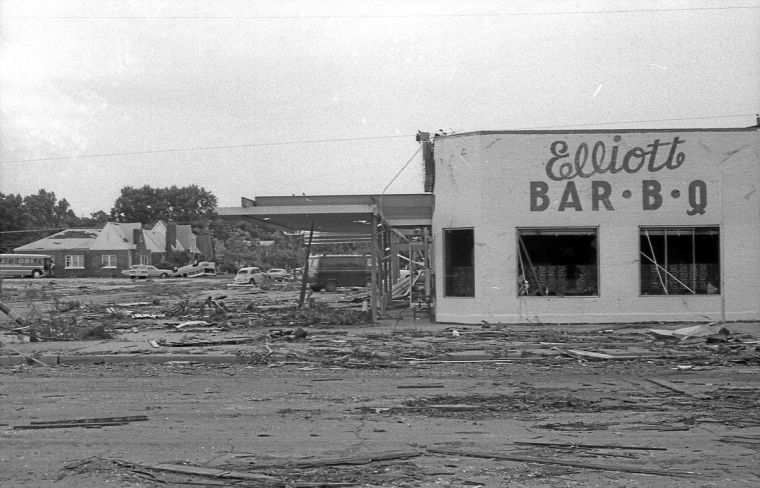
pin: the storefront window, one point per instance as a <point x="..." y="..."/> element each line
<point x="557" y="262"/>
<point x="459" y="262"/>
<point x="679" y="260"/>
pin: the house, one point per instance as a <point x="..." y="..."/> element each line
<point x="114" y="247"/>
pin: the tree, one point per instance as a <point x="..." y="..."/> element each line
<point x="39" y="214"/>
<point x="12" y="216"/>
<point x="148" y="205"/>
<point x="45" y="211"/>
<point x="235" y="252"/>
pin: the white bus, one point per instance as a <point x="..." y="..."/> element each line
<point x="26" y="265"/>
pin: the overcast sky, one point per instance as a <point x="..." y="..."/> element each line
<point x="98" y="95"/>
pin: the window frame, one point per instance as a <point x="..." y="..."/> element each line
<point x="69" y="261"/>
<point x="106" y="259"/>
<point x="468" y="287"/>
<point x="666" y="276"/>
<point x="556" y="230"/>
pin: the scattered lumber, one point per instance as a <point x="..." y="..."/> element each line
<point x="188" y="469"/>
<point x="349" y="460"/>
<point x="65" y="425"/>
<point x="131" y="418"/>
<point x="561" y="462"/>
<point x="589" y="446"/>
<point x="672" y="387"/>
<point x="7" y="311"/>
<point x="86" y="423"/>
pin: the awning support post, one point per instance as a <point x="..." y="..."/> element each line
<point x="305" y="275"/>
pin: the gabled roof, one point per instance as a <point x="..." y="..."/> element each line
<point x="155" y="238"/>
<point x="186" y="239"/>
<point x="63" y="241"/>
<point x="112" y="237"/>
<point x="128" y="228"/>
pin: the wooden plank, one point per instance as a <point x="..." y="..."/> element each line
<point x="132" y="418"/>
<point x="7" y="311"/>
<point x="672" y="387"/>
<point x="191" y="470"/>
<point x="355" y="460"/>
<point x="67" y="425"/>
<point x="589" y="446"/>
<point x="561" y="462"/>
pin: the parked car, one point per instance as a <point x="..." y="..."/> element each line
<point x="278" y="274"/>
<point x="199" y="269"/>
<point x="146" y="271"/>
<point x="331" y="271"/>
<point x="250" y="275"/>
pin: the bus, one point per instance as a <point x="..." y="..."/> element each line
<point x="26" y="265"/>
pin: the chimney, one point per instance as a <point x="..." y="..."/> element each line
<point x="171" y="236"/>
<point x="137" y="237"/>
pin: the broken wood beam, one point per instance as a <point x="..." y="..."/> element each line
<point x="68" y="425"/>
<point x="86" y="423"/>
<point x="589" y="446"/>
<point x="7" y="311"/>
<point x="133" y="418"/>
<point x="561" y="462"/>
<point x="191" y="470"/>
<point x="355" y="460"/>
<point x="672" y="387"/>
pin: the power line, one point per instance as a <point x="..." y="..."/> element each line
<point x="31" y="230"/>
<point x="351" y="139"/>
<point x="374" y="16"/>
<point x="205" y="148"/>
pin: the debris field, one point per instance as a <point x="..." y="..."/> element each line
<point x="191" y="382"/>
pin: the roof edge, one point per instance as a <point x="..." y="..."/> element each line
<point x="753" y="128"/>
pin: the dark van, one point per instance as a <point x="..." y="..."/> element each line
<point x="333" y="270"/>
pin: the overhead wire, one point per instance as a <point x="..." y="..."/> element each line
<point x="351" y="139"/>
<point x="425" y="14"/>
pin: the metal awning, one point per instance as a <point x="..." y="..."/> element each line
<point x="341" y="214"/>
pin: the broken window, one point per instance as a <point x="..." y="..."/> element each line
<point x="459" y="267"/>
<point x="557" y="261"/>
<point x="679" y="260"/>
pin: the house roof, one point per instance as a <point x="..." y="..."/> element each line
<point x="155" y="239"/>
<point x="112" y="238"/>
<point x="63" y="241"/>
<point x="186" y="240"/>
<point x="109" y="238"/>
<point x="128" y="229"/>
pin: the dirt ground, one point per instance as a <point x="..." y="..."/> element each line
<point x="190" y="382"/>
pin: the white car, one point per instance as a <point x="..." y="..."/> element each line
<point x="278" y="274"/>
<point x="250" y="275"/>
<point x="146" y="271"/>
